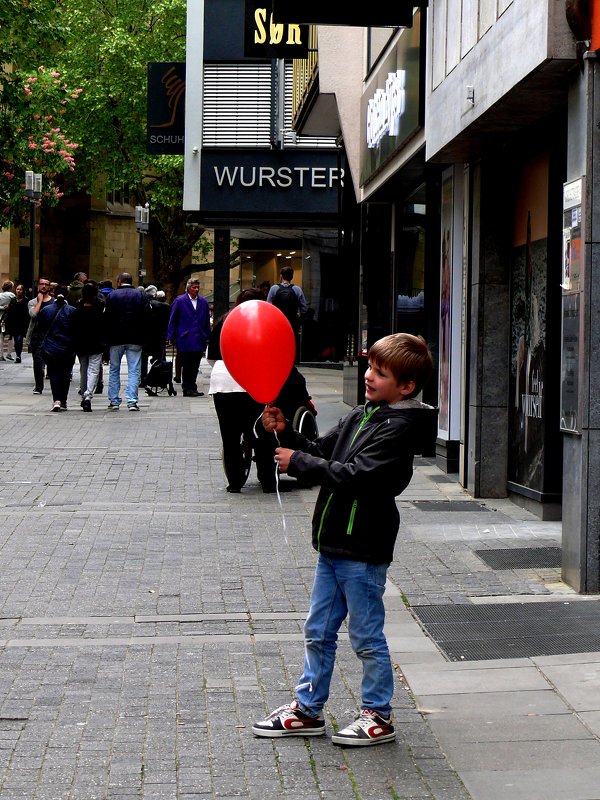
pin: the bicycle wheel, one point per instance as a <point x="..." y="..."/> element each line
<point x="304" y="422"/>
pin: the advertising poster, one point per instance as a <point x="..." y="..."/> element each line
<point x="445" y="305"/>
<point x="572" y="286"/>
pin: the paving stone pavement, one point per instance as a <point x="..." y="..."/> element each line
<point x="147" y="617"/>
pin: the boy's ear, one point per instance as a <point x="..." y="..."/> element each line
<point x="407" y="388"/>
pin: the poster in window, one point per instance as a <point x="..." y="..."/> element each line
<point x="445" y="305"/>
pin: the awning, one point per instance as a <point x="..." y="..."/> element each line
<point x="375" y="15"/>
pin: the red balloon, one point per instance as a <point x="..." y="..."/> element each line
<point x="258" y="347"/>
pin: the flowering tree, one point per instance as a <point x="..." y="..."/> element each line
<point x="109" y="46"/>
<point x="33" y="104"/>
<point x="36" y="117"/>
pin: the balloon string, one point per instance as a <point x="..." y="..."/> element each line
<point x="277" y="488"/>
<point x="283" y="523"/>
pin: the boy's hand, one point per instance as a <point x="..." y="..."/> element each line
<point x="273" y="420"/>
<point x="282" y="457"/>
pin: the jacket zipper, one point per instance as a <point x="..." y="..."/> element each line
<point x="363" y="422"/>
<point x="322" y="520"/>
<point x="351" y="520"/>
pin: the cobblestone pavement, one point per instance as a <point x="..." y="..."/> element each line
<point x="147" y="617"/>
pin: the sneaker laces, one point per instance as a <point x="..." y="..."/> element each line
<point x="367" y="715"/>
<point x="287" y="707"/>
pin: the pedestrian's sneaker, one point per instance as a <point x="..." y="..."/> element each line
<point x="18" y="360"/>
<point x="86" y="405"/>
<point x="37" y="391"/>
<point x="57" y="406"/>
<point x="9" y="357"/>
<point x="367" y="729"/>
<point x="289" y="721"/>
<point x="133" y="407"/>
<point x="113" y="407"/>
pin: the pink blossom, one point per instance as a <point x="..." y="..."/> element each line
<point x="32" y="146"/>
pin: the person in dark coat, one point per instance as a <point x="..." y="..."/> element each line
<point x="43" y="299"/>
<point x="189" y="329"/>
<point x="90" y="340"/>
<point x="16" y="320"/>
<point x="156" y="340"/>
<point x="55" y="328"/>
<point x="127" y="319"/>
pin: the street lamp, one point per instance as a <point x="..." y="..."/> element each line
<point x="142" y="223"/>
<point x="33" y="190"/>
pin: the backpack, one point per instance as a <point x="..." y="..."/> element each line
<point x="286" y="300"/>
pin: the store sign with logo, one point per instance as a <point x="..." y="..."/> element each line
<point x="265" y="182"/>
<point x="266" y="37"/>
<point x="165" y="112"/>
<point x="238" y="29"/>
<point x="392" y="103"/>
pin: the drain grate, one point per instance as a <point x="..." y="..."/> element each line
<point x="512" y="630"/>
<point x="522" y="557"/>
<point x="448" y="505"/>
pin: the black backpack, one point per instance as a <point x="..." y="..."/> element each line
<point x="286" y="300"/>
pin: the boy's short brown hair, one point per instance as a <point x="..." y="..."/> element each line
<point x="406" y="356"/>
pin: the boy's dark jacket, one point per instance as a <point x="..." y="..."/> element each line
<point x="362" y="464"/>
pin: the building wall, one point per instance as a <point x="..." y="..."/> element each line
<point x="9" y="254"/>
<point x="114" y="245"/>
<point x="489" y="46"/>
<point x="344" y="45"/>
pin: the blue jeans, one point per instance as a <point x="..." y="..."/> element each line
<point x="133" y="353"/>
<point x="342" y="588"/>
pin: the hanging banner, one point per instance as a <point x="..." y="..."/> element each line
<point x="165" y="114"/>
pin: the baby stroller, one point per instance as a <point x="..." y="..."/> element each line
<point x="160" y="377"/>
<point x="297" y="406"/>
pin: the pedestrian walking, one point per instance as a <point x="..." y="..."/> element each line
<point x="90" y="340"/>
<point x="189" y="329"/>
<point x="238" y="413"/>
<point x="75" y="288"/>
<point x="55" y="327"/>
<point x="156" y="339"/>
<point x="127" y="317"/>
<point x="16" y="320"/>
<point x="7" y="295"/>
<point x="44" y="298"/>
<point x="290" y="300"/>
<point x="362" y="465"/>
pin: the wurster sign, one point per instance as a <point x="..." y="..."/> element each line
<point x="251" y="182"/>
<point x="165" y="120"/>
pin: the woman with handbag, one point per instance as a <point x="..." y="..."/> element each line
<point x="55" y="325"/>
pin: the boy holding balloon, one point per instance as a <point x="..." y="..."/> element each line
<point x="362" y="465"/>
